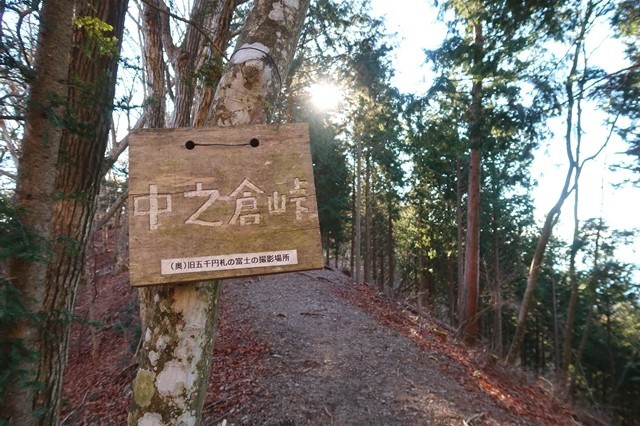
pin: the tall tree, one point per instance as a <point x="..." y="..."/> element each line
<point x="65" y="142"/>
<point x="182" y="318"/>
<point x="483" y="68"/>
<point x="35" y="187"/>
<point x="468" y="294"/>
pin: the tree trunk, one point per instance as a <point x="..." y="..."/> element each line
<point x="358" y="224"/>
<point x="573" y="299"/>
<point x="209" y="60"/>
<point x="468" y="297"/>
<point x="153" y="64"/>
<point x="390" y="255"/>
<point x="556" y="326"/>
<point x="92" y="75"/>
<point x="497" y="291"/>
<point x="198" y="55"/>
<point x="552" y="215"/>
<point x="459" y="240"/>
<point x="179" y="320"/>
<point x="534" y="272"/>
<point x="571" y="310"/>
<point x="469" y="293"/>
<point x="35" y="188"/>
<point x="368" y="213"/>
<point x="590" y="301"/>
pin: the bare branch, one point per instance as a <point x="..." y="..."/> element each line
<point x="117" y="204"/>
<point x="112" y="157"/>
<point x="10" y="175"/>
<point x="189" y="22"/>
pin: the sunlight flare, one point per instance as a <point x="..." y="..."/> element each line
<point x="325" y="96"/>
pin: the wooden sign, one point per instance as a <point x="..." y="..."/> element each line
<point x="209" y="203"/>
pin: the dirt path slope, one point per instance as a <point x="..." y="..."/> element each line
<point x="303" y="349"/>
<point x="326" y="361"/>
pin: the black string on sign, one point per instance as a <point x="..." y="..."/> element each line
<point x="191" y="144"/>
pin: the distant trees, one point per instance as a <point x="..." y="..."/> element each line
<point x="497" y="87"/>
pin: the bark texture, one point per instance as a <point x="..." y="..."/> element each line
<point x="153" y="64"/>
<point x="260" y="63"/>
<point x="35" y="189"/>
<point x="92" y="78"/>
<point x="469" y="293"/>
<point x="179" y="321"/>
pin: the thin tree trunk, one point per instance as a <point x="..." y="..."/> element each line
<point x="390" y="254"/>
<point x="459" y="240"/>
<point x="195" y="55"/>
<point x="35" y="188"/>
<point x="368" y="213"/>
<point x="352" y="259"/>
<point x="180" y="320"/>
<point x="552" y="216"/>
<point x="573" y="279"/>
<point x="556" y="326"/>
<point x="451" y="293"/>
<point x="497" y="292"/>
<point x="459" y="244"/>
<point x="591" y="299"/>
<point x="573" y="299"/>
<point x="534" y="272"/>
<point x="358" y="225"/>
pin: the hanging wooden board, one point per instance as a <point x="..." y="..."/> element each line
<point x="208" y="203"/>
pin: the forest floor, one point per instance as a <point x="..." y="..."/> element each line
<point x="306" y="348"/>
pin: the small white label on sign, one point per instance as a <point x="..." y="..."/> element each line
<point x="229" y="261"/>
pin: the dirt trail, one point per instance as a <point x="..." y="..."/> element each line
<point x="303" y="349"/>
<point x="326" y="361"/>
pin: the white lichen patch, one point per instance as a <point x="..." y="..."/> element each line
<point x="193" y="307"/>
<point x="147" y="335"/>
<point x="277" y="13"/>
<point x="151" y="419"/>
<point x="187" y="419"/>
<point x="161" y="343"/>
<point x="246" y="52"/>
<point x="153" y="357"/>
<point x="173" y="379"/>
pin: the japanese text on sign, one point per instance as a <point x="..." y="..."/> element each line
<point x="228" y="262"/>
<point x="245" y="197"/>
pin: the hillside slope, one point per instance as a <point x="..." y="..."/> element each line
<point x="307" y="348"/>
